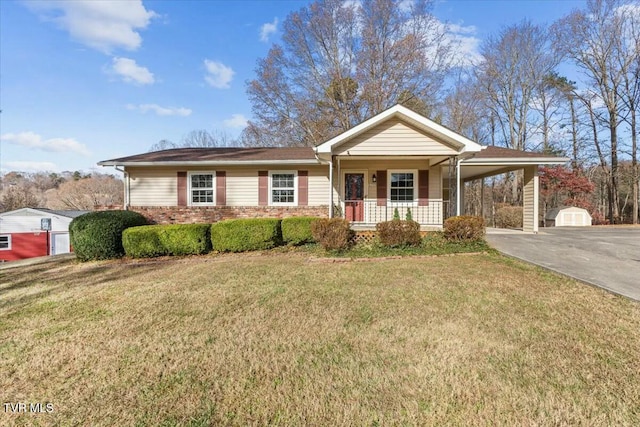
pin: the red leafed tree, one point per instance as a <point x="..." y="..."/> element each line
<point x="560" y="186"/>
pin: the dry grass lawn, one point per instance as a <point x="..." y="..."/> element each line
<point x="277" y="339"/>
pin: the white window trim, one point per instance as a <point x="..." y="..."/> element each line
<point x="295" y="187"/>
<point x="9" y="240"/>
<point x="415" y="186"/>
<point x="190" y="193"/>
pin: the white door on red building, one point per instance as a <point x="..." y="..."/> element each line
<point x="60" y="243"/>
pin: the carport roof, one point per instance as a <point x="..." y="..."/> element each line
<point x="496" y="160"/>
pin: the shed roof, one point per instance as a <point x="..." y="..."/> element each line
<point x="43" y="212"/>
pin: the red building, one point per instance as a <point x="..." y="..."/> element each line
<point x="29" y="233"/>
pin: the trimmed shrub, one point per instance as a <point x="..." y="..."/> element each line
<point x="408" y="216"/>
<point x="142" y="242"/>
<point x="332" y="234"/>
<point x="509" y="217"/>
<point x="174" y="239"/>
<point x="240" y="235"/>
<point x="399" y="233"/>
<point x="464" y="228"/>
<point x="297" y="230"/>
<point x="186" y="239"/>
<point x="98" y="235"/>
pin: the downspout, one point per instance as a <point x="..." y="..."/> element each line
<point x="126" y="187"/>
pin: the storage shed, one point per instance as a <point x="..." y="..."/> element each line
<point x="29" y="233"/>
<point x="567" y="216"/>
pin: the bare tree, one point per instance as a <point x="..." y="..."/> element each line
<point x="516" y="62"/>
<point x="342" y="62"/>
<point x="594" y="40"/>
<point x="87" y="193"/>
<point x="629" y="62"/>
<point x="197" y="139"/>
<point x="20" y="195"/>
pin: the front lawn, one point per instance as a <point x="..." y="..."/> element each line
<point x="254" y="339"/>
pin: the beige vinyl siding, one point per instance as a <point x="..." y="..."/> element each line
<point x="394" y="138"/>
<point x="530" y="199"/>
<point x="153" y="186"/>
<point x="242" y="186"/>
<point x="319" y="186"/>
<point x="159" y="186"/>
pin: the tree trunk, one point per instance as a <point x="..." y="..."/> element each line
<point x="614" y="213"/>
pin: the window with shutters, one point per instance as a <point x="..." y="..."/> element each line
<point x="201" y="188"/>
<point x="283" y="188"/>
<point x="403" y="186"/>
<point x="5" y="243"/>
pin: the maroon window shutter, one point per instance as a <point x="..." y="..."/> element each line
<point x="221" y="188"/>
<point x="381" y="181"/>
<point x="182" y="189"/>
<point x="303" y="188"/>
<point x="263" y="188"/>
<point x="423" y="188"/>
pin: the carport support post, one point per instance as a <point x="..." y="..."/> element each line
<point x="530" y="200"/>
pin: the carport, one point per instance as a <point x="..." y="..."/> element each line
<point x="493" y="161"/>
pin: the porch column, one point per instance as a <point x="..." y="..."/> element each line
<point x="331" y="187"/>
<point x="461" y="193"/>
<point x="530" y="200"/>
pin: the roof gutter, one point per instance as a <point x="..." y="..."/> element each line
<point x="212" y="163"/>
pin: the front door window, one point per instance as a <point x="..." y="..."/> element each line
<point x="354" y="196"/>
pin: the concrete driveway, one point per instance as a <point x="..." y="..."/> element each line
<point x="608" y="257"/>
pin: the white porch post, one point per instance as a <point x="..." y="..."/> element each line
<point x="331" y="187"/>
<point x="530" y="199"/>
<point x="458" y="198"/>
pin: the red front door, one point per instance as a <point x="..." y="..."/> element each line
<point x="354" y="197"/>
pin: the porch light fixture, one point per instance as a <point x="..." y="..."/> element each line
<point x="373" y="178"/>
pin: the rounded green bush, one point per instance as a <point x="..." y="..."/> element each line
<point x="170" y="239"/>
<point x="98" y="235"/>
<point x="240" y="235"/>
<point x="297" y="230"/>
<point x="142" y="242"/>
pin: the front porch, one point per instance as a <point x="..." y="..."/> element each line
<point x="400" y="161"/>
<point x="365" y="214"/>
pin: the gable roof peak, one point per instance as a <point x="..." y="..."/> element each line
<point x="409" y="116"/>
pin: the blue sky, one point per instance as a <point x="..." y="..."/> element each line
<point x="84" y="81"/>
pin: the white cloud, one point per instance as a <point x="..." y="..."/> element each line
<point x="131" y="72"/>
<point x="466" y="46"/>
<point x="54" y="145"/>
<point x="218" y="74"/>
<point x="161" y="111"/>
<point x="406" y="5"/>
<point x="267" y="29"/>
<point x="103" y="25"/>
<point x="28" y="166"/>
<point x="236" y="121"/>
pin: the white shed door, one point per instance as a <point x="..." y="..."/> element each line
<point x="59" y="243"/>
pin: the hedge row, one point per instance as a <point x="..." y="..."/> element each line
<point x="175" y="239"/>
<point x="235" y="235"/>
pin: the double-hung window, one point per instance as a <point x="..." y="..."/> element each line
<point x="402" y="186"/>
<point x="283" y="188"/>
<point x="5" y="243"/>
<point x="201" y="188"/>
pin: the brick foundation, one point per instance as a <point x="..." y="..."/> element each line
<point x="211" y="214"/>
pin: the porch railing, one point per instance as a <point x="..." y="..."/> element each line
<point x="431" y="214"/>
